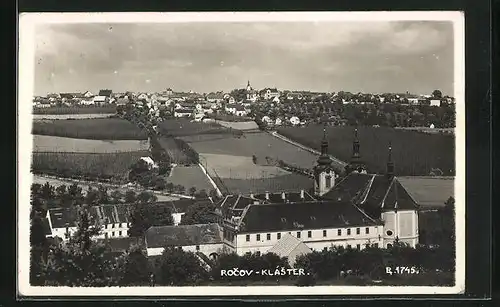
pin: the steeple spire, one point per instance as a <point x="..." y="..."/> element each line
<point x="324" y="142"/>
<point x="324" y="159"/>
<point x="390" y="164"/>
<point x="355" y="147"/>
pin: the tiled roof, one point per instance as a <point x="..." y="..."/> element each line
<point x="372" y="193"/>
<point x="183" y="235"/>
<point x="289" y="196"/>
<point x="62" y="217"/>
<point x="287" y="244"/>
<point x="304" y="215"/>
<point x="106" y="93"/>
<point x="119" y="244"/>
<point x="46" y="227"/>
<point x="181" y="205"/>
<point x="112" y="214"/>
<point x="429" y="191"/>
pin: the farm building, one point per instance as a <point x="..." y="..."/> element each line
<point x="114" y="219"/>
<point x="204" y="238"/>
<point x="358" y="210"/>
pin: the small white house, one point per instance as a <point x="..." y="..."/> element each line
<point x="100" y="99"/>
<point x="435" y="102"/>
<point x="294" y="120"/>
<point x="150" y="162"/>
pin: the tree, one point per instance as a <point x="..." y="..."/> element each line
<point x="134" y="268"/>
<point x="76" y="195"/>
<point x="170" y="187"/>
<point x="201" y="194"/>
<point x="81" y="262"/>
<point x="177" y="268"/>
<point x="47" y="191"/>
<point x="130" y="197"/>
<point x="437" y="94"/>
<point x="200" y="213"/>
<point x="141" y="215"/>
<point x="116" y="197"/>
<point x="192" y="191"/>
<point x="103" y="196"/>
<point x="92" y="197"/>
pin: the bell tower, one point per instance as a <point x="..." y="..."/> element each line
<point x="356" y="164"/>
<point x="324" y="174"/>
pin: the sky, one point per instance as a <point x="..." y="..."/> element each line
<point x="371" y="57"/>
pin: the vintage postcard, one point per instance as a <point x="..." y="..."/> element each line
<point x="236" y="154"/>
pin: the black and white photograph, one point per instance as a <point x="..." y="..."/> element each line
<point x="232" y="154"/>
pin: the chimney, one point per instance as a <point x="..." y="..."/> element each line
<point x="267" y="195"/>
<point x="302" y="194"/>
<point x="283" y="196"/>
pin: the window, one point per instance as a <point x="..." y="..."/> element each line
<point x="248" y="238"/>
<point x="105" y="226"/>
<point x="113" y="234"/>
<point x="348" y="246"/>
<point x="309" y="234"/>
<point x="358" y="246"/>
<point x="389" y="245"/>
<point x="268" y="236"/>
<point x="367" y="230"/>
<point x="339" y="232"/>
<point x="375" y="245"/>
<point x="358" y="231"/>
<point x="325" y="249"/>
<point x="258" y="253"/>
<point x="349" y="231"/>
<point x="298" y="234"/>
<point x="258" y="237"/>
<point x="120" y="233"/>
<point x="328" y="181"/>
<point x="324" y="233"/>
<point x="112" y="225"/>
<point x="389" y="232"/>
<point x="197" y="247"/>
<point x="278" y="235"/>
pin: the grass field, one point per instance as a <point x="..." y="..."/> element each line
<point x="93" y="129"/>
<point x="190" y="176"/>
<point x="70" y="116"/>
<point x="114" y="167"/>
<point x="76" y="110"/>
<point x="283" y="183"/>
<point x="174" y="152"/>
<point x="183" y="127"/>
<point x="238" y="167"/>
<point x="414" y="153"/>
<point x="261" y="145"/>
<point x="247" y="125"/>
<point x="45" y="143"/>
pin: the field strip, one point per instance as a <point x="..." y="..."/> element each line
<point x="41" y="179"/>
<point x="279" y="136"/>
<point x="210" y="179"/>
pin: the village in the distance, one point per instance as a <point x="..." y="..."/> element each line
<point x="245" y="187"/>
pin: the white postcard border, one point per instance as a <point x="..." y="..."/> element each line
<point x="27" y="24"/>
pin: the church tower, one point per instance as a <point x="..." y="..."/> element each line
<point x="249" y="87"/>
<point x="356" y="164"/>
<point x="324" y="175"/>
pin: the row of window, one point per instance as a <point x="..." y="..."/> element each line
<point x="309" y="234"/>
<point x="358" y="246"/>
<point x="113" y="225"/>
